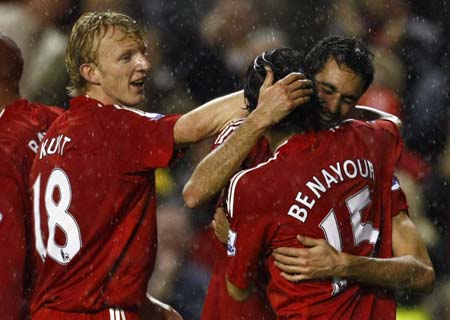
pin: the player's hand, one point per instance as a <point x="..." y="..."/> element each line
<point x="317" y="260"/>
<point x="277" y="100"/>
<point x="221" y="225"/>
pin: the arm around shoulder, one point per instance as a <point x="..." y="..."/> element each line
<point x="210" y="118"/>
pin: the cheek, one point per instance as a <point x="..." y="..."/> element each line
<point x="345" y="110"/>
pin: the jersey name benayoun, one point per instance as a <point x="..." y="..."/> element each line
<point x="54" y="145"/>
<point x="322" y="182"/>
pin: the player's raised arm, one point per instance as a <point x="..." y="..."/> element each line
<point x="275" y="102"/>
<point x="210" y="118"/>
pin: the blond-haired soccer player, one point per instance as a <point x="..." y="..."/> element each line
<point x="93" y="179"/>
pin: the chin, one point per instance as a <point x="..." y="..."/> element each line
<point x="135" y="102"/>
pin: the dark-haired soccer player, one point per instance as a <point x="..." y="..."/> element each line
<point x="328" y="184"/>
<point x="22" y="126"/>
<point x="339" y="91"/>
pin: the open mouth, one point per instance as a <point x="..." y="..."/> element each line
<point x="138" y="83"/>
<point x="329" y="119"/>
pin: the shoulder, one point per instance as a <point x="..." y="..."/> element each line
<point x="249" y="184"/>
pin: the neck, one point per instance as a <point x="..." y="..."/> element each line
<point x="8" y="95"/>
<point x="95" y="93"/>
<point x="276" y="137"/>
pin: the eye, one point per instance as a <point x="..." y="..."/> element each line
<point x="125" y="58"/>
<point x="350" y="101"/>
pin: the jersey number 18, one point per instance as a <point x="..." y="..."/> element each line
<point x="58" y="217"/>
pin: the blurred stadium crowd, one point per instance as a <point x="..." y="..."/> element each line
<point x="199" y="50"/>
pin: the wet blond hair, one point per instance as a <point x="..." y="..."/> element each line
<point x="84" y="42"/>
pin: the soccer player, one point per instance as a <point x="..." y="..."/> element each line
<point x="334" y="61"/>
<point x="93" y="179"/>
<point x="317" y="184"/>
<point x="334" y="64"/>
<point x="22" y="126"/>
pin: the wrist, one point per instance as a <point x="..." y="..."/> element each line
<point x="343" y="265"/>
<point x="259" y="120"/>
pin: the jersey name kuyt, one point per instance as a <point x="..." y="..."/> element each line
<point x="54" y="145"/>
<point x="335" y="174"/>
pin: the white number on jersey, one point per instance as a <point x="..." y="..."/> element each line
<point x="58" y="217"/>
<point x="361" y="231"/>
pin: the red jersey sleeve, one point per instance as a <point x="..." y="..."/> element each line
<point x="387" y="137"/>
<point x="145" y="140"/>
<point x="399" y="202"/>
<point x="12" y="246"/>
<point x="249" y="233"/>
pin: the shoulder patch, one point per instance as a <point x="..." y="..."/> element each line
<point x="231" y="245"/>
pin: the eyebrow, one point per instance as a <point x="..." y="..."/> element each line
<point x="332" y="87"/>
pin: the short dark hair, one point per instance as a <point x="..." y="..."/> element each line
<point x="347" y="51"/>
<point x="282" y="62"/>
<point x="12" y="60"/>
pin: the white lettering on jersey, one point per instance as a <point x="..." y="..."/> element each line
<point x="34" y="144"/>
<point x="54" y="145"/>
<point x="321" y="183"/>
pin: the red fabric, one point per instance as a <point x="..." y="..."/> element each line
<point x="22" y="125"/>
<point x="98" y="163"/>
<point x="261" y="198"/>
<point x="414" y="165"/>
<point x="49" y="314"/>
<point x="218" y="304"/>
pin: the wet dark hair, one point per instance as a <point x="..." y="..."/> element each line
<point x="282" y="62"/>
<point x="350" y="52"/>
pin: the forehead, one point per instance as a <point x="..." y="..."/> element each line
<point x="114" y="38"/>
<point x="342" y="78"/>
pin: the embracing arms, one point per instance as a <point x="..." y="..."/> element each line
<point x="275" y="102"/>
<point x="410" y="269"/>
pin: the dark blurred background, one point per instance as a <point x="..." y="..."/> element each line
<point x="200" y="49"/>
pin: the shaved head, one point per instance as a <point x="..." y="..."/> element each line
<point x="11" y="61"/>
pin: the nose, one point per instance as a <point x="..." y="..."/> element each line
<point x="333" y="104"/>
<point x="143" y="63"/>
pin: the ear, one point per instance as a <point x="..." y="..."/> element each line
<point x="90" y="72"/>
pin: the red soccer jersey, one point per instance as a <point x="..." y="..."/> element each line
<point x="22" y="126"/>
<point x="380" y="303"/>
<point x="94" y="205"/>
<point x="218" y="303"/>
<point x="334" y="185"/>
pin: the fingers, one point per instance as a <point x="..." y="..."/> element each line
<point x="286" y="251"/>
<point x="289" y="269"/>
<point x="220" y="214"/>
<point x="294" y="277"/>
<point x="300" y="84"/>
<point x="268" y="81"/>
<point x="292" y="77"/>
<point x="288" y="260"/>
<point x="309" y="242"/>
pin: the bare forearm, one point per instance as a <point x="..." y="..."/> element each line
<point x="403" y="273"/>
<point x="216" y="169"/>
<point x="210" y="118"/>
